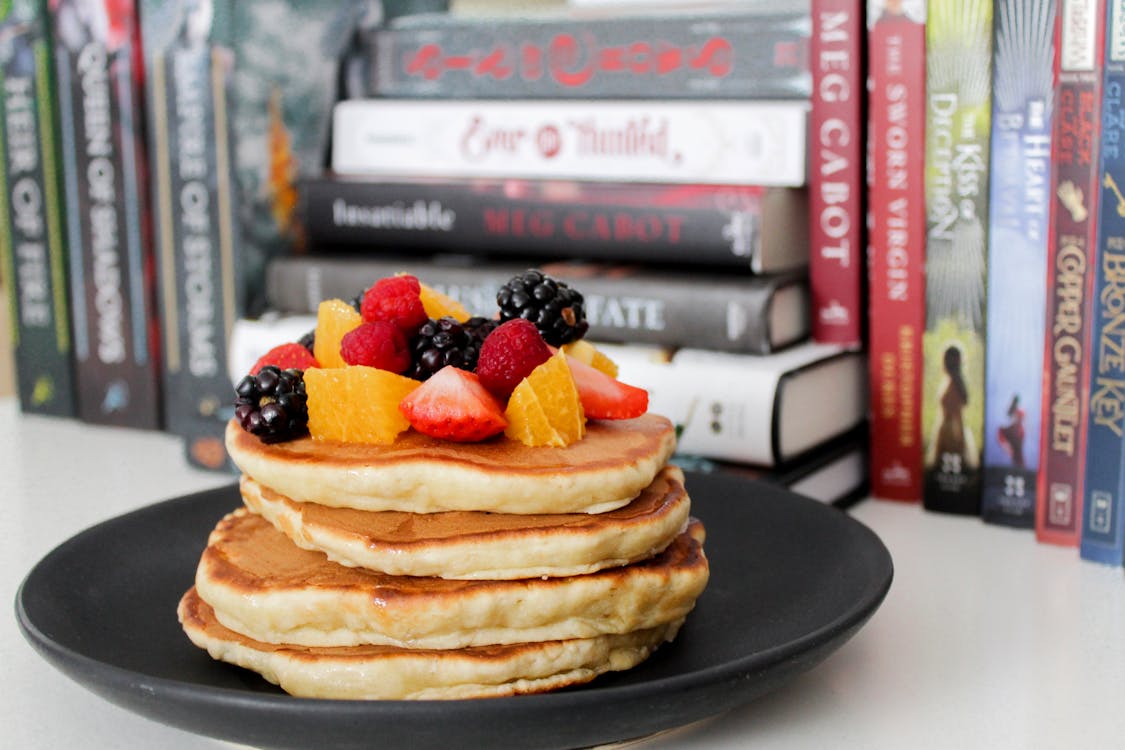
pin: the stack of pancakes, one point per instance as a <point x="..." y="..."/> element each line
<point x="429" y="569"/>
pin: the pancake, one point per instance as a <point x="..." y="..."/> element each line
<point x="474" y="545"/>
<point x="419" y="474"/>
<point x="387" y="673"/>
<point x="263" y="586"/>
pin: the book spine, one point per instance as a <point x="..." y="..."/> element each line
<point x="111" y="285"/>
<point x="896" y="255"/>
<point x="193" y="205"/>
<point x="32" y="240"/>
<point x="622" y="304"/>
<point x="958" y="86"/>
<point x="737" y="227"/>
<point x="836" y="143"/>
<point x="740" y="56"/>
<point x="739" y="143"/>
<point x="1022" y="101"/>
<point x="1102" y="537"/>
<point x="1079" y="48"/>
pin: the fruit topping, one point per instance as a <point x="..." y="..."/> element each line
<point x="439" y="305"/>
<point x="308" y="340"/>
<point x="291" y="356"/>
<point x="584" y="351"/>
<point x="379" y="344"/>
<point x="605" y="397"/>
<point x="272" y="404"/>
<point x="453" y="405"/>
<point x="397" y="300"/>
<point x="356" y="404"/>
<point x="509" y="354"/>
<point x="334" y="319"/>
<point x="544" y="409"/>
<point x="442" y="342"/>
<point x="558" y="311"/>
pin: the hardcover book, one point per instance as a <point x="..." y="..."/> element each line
<point x="958" y="87"/>
<point x="1102" y="537"/>
<point x="836" y="151"/>
<point x="750" y="142"/>
<point x="112" y="281"/>
<point x="1079" y="48"/>
<point x="749" y="314"/>
<point x="32" y="240"/>
<point x="758" y="50"/>
<point x="746" y="227"/>
<point x="1022" y="107"/>
<point x="896" y="243"/>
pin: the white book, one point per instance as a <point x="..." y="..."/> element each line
<point x="716" y="142"/>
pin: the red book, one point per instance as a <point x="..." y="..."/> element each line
<point x="836" y="145"/>
<point x="896" y="249"/>
<point x="1079" y="53"/>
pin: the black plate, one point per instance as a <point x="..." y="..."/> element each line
<point x="791" y="580"/>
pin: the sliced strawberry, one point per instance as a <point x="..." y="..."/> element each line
<point x="605" y="397"/>
<point x="453" y="405"/>
<point x="286" y="356"/>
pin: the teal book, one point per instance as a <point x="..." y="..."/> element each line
<point x="1020" y="185"/>
<point x="958" y="113"/>
<point x="32" y="240"/>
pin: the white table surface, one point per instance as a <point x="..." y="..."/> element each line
<point x="986" y="639"/>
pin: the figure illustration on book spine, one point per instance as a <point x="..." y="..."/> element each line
<point x="952" y="449"/>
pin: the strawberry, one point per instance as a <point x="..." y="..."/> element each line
<point x="289" y="356"/>
<point x="509" y="354"/>
<point x="396" y="299"/>
<point x="453" y="405"/>
<point x="605" y="397"/>
<point x="379" y="344"/>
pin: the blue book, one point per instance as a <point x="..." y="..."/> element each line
<point x="1103" y="520"/>
<point x="1022" y="106"/>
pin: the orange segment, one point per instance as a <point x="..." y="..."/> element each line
<point x="544" y="409"/>
<point x="584" y="351"/>
<point x="334" y="318"/>
<point x="356" y="404"/>
<point x="439" y="305"/>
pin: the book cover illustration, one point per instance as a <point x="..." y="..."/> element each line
<point x="1102" y="537"/>
<point x="1079" y="53"/>
<point x="896" y="243"/>
<point x="958" y="86"/>
<point x="758" y="51"/>
<point x="32" y="238"/>
<point x="108" y="226"/>
<point x="1022" y="105"/>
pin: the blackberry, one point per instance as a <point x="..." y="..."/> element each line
<point x="308" y="340"/>
<point x="558" y="311"/>
<point x="273" y="404"/>
<point x="444" y="342"/>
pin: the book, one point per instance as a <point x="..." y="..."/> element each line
<point x="896" y="244"/>
<point x="111" y="274"/>
<point x="199" y="287"/>
<point x="1078" y="62"/>
<point x="958" y="87"/>
<point x="750" y="142"/>
<point x="748" y="314"/>
<point x="836" y="181"/>
<point x="32" y="241"/>
<point x="1102" y="536"/>
<point x="1022" y="108"/>
<point x="737" y="226"/>
<point x="753" y="51"/>
<point x="756" y="409"/>
<point x="834" y="473"/>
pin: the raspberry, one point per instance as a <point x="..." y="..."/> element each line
<point x="397" y="300"/>
<point x="509" y="354"/>
<point x="272" y="404"/>
<point x="379" y="344"/>
<point x="286" y="357"/>
<point x="558" y="311"/>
